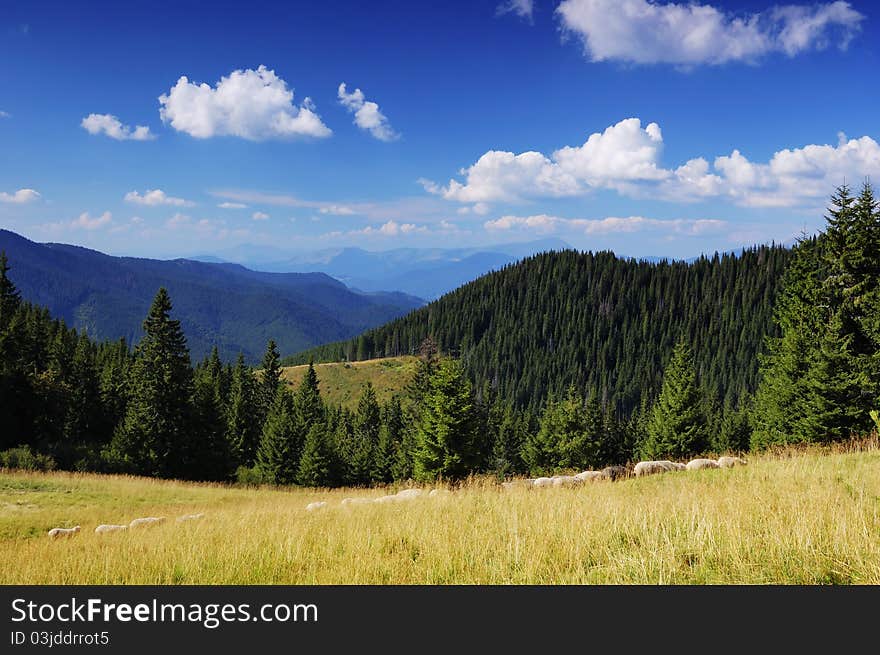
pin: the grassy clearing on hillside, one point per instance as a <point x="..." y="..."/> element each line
<point x="341" y="383"/>
<point x="804" y="518"/>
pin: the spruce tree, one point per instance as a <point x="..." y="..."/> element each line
<point x="447" y="432"/>
<point x="242" y="428"/>
<point x="279" y="446"/>
<point x="367" y="424"/>
<point x="390" y="437"/>
<point x="677" y="426"/>
<point x="309" y="407"/>
<point x="270" y="379"/>
<point x="157" y="418"/>
<point x="315" y="464"/>
<point x="10" y="298"/>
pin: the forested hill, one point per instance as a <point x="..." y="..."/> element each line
<point x="596" y="321"/>
<point x="226" y="305"/>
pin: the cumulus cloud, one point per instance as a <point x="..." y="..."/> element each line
<point x="19" y="197"/>
<point x="232" y="205"/>
<point x="113" y="127"/>
<point x="645" y="32"/>
<point x="260" y="216"/>
<point x="792" y="177"/>
<point x="626" y="158"/>
<point x="522" y="8"/>
<point x="156" y="197"/>
<point x="545" y="224"/>
<point x="624" y="153"/>
<point x="4" y="114"/>
<point x="367" y="115"/>
<point x="86" y="222"/>
<point x="251" y="104"/>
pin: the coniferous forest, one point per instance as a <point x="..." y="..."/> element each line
<point x="566" y="360"/>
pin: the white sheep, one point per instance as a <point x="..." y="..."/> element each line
<point x="702" y="463"/>
<point x="543" y="482"/>
<point x="104" y="527"/>
<point x="408" y="494"/>
<point x="589" y="476"/>
<point x="190" y="517"/>
<point x="316" y="505"/>
<point x="566" y="481"/>
<point x="656" y="466"/>
<point x="385" y="499"/>
<point x="728" y="462"/>
<point x="55" y="533"/>
<point x="434" y="493"/>
<point x="356" y="501"/>
<point x="147" y="520"/>
<point x="678" y="466"/>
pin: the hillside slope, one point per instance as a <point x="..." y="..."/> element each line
<point x="595" y="321"/>
<point x="226" y="305"/>
<point x="342" y="383"/>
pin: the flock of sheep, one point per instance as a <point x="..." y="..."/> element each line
<point x="608" y="473"/>
<point x="55" y="533"/>
<point x="641" y="469"/>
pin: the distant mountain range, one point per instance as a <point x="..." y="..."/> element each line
<point x="221" y="304"/>
<point x="423" y="272"/>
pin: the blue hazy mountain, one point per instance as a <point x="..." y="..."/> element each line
<point x="221" y="304"/>
<point x="422" y="272"/>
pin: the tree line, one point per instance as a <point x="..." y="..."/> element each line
<point x="92" y="406"/>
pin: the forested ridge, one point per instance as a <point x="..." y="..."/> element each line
<point x="672" y="379"/>
<point x="594" y="321"/>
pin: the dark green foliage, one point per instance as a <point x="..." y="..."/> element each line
<point x="158" y="415"/>
<point x="277" y="456"/>
<point x="25" y="459"/>
<point x="570" y="436"/>
<point x="242" y="430"/>
<point x="315" y="466"/>
<point x="596" y="322"/>
<point x="677" y="428"/>
<point x="270" y="378"/>
<point x="821" y="376"/>
<point x="390" y="439"/>
<point x="448" y="426"/>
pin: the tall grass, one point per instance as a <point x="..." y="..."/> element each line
<point x="793" y="517"/>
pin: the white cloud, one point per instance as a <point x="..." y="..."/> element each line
<point x="644" y="32"/>
<point x="545" y="224"/>
<point x="5" y="114"/>
<point x="367" y="115"/>
<point x="522" y="8"/>
<point x="232" y="205"/>
<point x="177" y="221"/>
<point x="792" y="177"/>
<point x="86" y="222"/>
<point x="156" y="197"/>
<point x="260" y="216"/>
<point x="251" y="104"/>
<point x="621" y="155"/>
<point x="19" y="197"/>
<point x="390" y="229"/>
<point x="626" y="158"/>
<point x="113" y="127"/>
<point x="337" y="210"/>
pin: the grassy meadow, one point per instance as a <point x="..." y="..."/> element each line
<point x="341" y="383"/>
<point x="787" y="518"/>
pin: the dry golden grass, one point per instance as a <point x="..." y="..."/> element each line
<point x="342" y="383"/>
<point x="793" y="517"/>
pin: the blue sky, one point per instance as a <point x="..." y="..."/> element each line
<point x="644" y="127"/>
